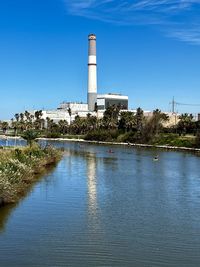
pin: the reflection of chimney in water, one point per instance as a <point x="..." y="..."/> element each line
<point x="92" y="72"/>
<point x="92" y="186"/>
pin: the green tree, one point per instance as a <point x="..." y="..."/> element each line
<point x="63" y="125"/>
<point x="4" y="126"/>
<point x="91" y="122"/>
<point x="139" y="117"/>
<point x="185" y="123"/>
<point x="79" y="125"/>
<point x="22" y="124"/>
<point x="153" y="125"/>
<point x="127" y="120"/>
<point x="21" y="116"/>
<point x="110" y="117"/>
<point x="95" y="107"/>
<point x="38" y="119"/>
<point x="15" y="126"/>
<point x="70" y="114"/>
<point x="27" y="115"/>
<point x="157" y="121"/>
<point x="30" y="136"/>
<point x="17" y="116"/>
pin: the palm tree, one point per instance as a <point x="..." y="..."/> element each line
<point x="139" y="119"/>
<point x="79" y="125"/>
<point x="63" y="124"/>
<point x="49" y="123"/>
<point x="15" y="127"/>
<point x="4" y="126"/>
<point x="17" y="116"/>
<point x="28" y="122"/>
<point x="92" y="122"/>
<point x="30" y="136"/>
<point x="21" y="122"/>
<point x="110" y="117"/>
<point x="27" y="115"/>
<point x="127" y="120"/>
<point x="96" y="109"/>
<point x="70" y="114"/>
<point x="21" y="115"/>
<point x="16" y="124"/>
<point x="38" y="119"/>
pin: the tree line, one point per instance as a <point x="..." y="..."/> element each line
<point x="115" y="125"/>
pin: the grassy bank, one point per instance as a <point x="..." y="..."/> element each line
<point x="169" y="139"/>
<point x="19" y="167"/>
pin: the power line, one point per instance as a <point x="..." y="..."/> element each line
<point x="174" y="104"/>
<point x="183" y="104"/>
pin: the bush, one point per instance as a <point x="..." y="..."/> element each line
<point x="172" y="140"/>
<point x="128" y="137"/>
<point x="165" y="139"/>
<point x="197" y="140"/>
<point x="102" y="135"/>
<point x="53" y="135"/>
<point x="17" y="169"/>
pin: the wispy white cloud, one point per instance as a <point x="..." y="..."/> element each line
<point x="190" y="35"/>
<point x="178" y="18"/>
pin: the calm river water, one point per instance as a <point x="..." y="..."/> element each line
<point x="97" y="208"/>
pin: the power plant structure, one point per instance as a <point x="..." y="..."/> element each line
<point x="92" y="73"/>
<point x="94" y="100"/>
<point x="105" y="100"/>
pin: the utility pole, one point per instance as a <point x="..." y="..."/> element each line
<point x="173" y="105"/>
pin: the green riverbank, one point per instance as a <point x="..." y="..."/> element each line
<point x="19" y="168"/>
<point x="152" y="146"/>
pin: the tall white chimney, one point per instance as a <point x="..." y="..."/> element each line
<point x="92" y="72"/>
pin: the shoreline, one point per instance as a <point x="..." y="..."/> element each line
<point x="175" y="148"/>
<point x="4" y="137"/>
<point x="124" y="144"/>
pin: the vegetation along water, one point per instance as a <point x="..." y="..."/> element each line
<point x="19" y="166"/>
<point x="116" y="125"/>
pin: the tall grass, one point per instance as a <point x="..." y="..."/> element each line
<point x="18" y="168"/>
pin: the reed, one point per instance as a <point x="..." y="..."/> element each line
<point x="18" y="169"/>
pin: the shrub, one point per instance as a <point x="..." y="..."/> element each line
<point x="17" y="169"/>
<point x="98" y="135"/>
<point x="53" y="135"/>
<point x="197" y="140"/>
<point x="172" y="140"/>
<point x="127" y="137"/>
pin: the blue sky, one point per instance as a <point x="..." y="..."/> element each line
<point x="148" y="50"/>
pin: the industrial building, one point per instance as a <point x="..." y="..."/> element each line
<point x="101" y="101"/>
<point x="106" y="100"/>
<point x="73" y="106"/>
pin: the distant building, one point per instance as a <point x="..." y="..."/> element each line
<point x="74" y="106"/>
<point x="55" y="115"/>
<point x="106" y="100"/>
<point x="198" y="116"/>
